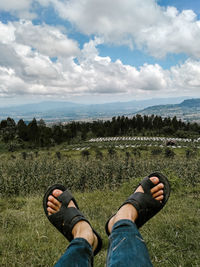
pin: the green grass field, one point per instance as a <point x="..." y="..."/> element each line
<point x="28" y="239"/>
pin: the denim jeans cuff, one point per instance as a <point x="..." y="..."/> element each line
<point x="125" y="223"/>
<point x="83" y="243"/>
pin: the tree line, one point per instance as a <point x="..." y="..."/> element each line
<point x="39" y="134"/>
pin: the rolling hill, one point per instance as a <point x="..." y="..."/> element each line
<point x="188" y="110"/>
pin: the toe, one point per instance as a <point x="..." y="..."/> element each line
<point x="57" y="192"/>
<point x="54" y="201"/>
<point x="154" y="179"/>
<point x="156" y="188"/>
<point x="158" y="193"/>
<point x="160" y="198"/>
<point x="51" y="211"/>
<point x="51" y="205"/>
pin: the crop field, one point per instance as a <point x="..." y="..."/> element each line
<point x="100" y="176"/>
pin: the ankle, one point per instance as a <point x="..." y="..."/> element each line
<point x="126" y="212"/>
<point x="83" y="230"/>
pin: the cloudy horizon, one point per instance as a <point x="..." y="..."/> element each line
<point x="95" y="51"/>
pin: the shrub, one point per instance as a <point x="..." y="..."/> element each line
<point x="99" y="154"/>
<point x="156" y="151"/>
<point x="127" y="154"/>
<point x="58" y="155"/>
<point x="190" y="153"/>
<point x="85" y="154"/>
<point x="111" y="152"/>
<point x="169" y="153"/>
<point x="26" y="177"/>
<point x="24" y="155"/>
<point x="136" y="152"/>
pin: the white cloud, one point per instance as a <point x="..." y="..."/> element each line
<point x="10" y="84"/>
<point x="15" y="5"/>
<point x="20" y="8"/>
<point x="113" y="20"/>
<point x="10" y="5"/>
<point x="28" y="48"/>
<point x="135" y="22"/>
<point x="187" y="76"/>
<point x="152" y="78"/>
<point x="177" y="33"/>
<point x="45" y="39"/>
<point x="7" y="33"/>
<point x="144" y="24"/>
<point x="25" y="71"/>
<point x="26" y="62"/>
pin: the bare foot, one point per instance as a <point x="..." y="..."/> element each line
<point x="82" y="229"/>
<point x="129" y="212"/>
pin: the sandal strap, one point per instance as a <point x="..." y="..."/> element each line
<point x="141" y="202"/>
<point x="66" y="197"/>
<point x="65" y="219"/>
<point x="71" y="216"/>
<point x="147" y="185"/>
<point x="148" y="207"/>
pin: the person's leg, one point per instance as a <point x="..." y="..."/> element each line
<point x="127" y="247"/>
<point x="78" y="254"/>
<point x="80" y="251"/>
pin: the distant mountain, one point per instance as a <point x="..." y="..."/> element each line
<point x="52" y="111"/>
<point x="191" y="103"/>
<point x="188" y="110"/>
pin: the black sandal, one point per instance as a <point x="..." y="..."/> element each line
<point x="65" y="219"/>
<point x="144" y="203"/>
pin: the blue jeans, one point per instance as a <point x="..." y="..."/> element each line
<point x="126" y="248"/>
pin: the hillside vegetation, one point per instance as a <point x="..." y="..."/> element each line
<point x="188" y="110"/>
<point x="37" y="134"/>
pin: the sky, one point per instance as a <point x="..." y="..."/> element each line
<point x="97" y="51"/>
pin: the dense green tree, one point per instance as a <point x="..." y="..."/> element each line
<point x="33" y="131"/>
<point x="146" y="122"/>
<point x="58" y="133"/>
<point x="175" y="123"/>
<point x="168" y="130"/>
<point x="22" y="130"/>
<point x="157" y="123"/>
<point x="139" y="122"/>
<point x="8" y="129"/>
<point x="3" y="124"/>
